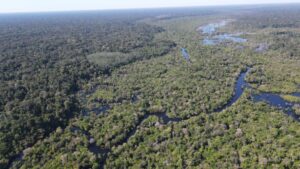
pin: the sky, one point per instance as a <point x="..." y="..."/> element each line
<point x="12" y="6"/>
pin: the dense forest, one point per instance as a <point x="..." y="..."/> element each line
<point x="111" y="89"/>
<point x="44" y="64"/>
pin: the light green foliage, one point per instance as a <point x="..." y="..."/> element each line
<point x="266" y="138"/>
<point x="63" y="149"/>
<point x="113" y="59"/>
<point x="291" y="98"/>
<point x="103" y="94"/>
<point x="141" y="87"/>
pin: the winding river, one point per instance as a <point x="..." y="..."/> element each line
<point x="241" y="84"/>
<point x="277" y="101"/>
<point x="273" y="99"/>
<point x="185" y="54"/>
<point x="238" y="90"/>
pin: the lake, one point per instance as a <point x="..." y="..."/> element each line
<point x="212" y="39"/>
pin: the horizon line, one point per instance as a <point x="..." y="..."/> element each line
<point x="144" y="8"/>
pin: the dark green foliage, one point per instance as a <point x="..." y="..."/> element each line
<point x="59" y="70"/>
<point x="43" y="65"/>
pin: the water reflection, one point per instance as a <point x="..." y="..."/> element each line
<point x="272" y="99"/>
<point x="185" y="54"/>
<point x="223" y="38"/>
<point x="296" y="94"/>
<point x="276" y="101"/>
<point x="211" y="39"/>
<point x="211" y="28"/>
<point x="238" y="90"/>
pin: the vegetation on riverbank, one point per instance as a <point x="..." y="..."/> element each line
<point x="134" y="66"/>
